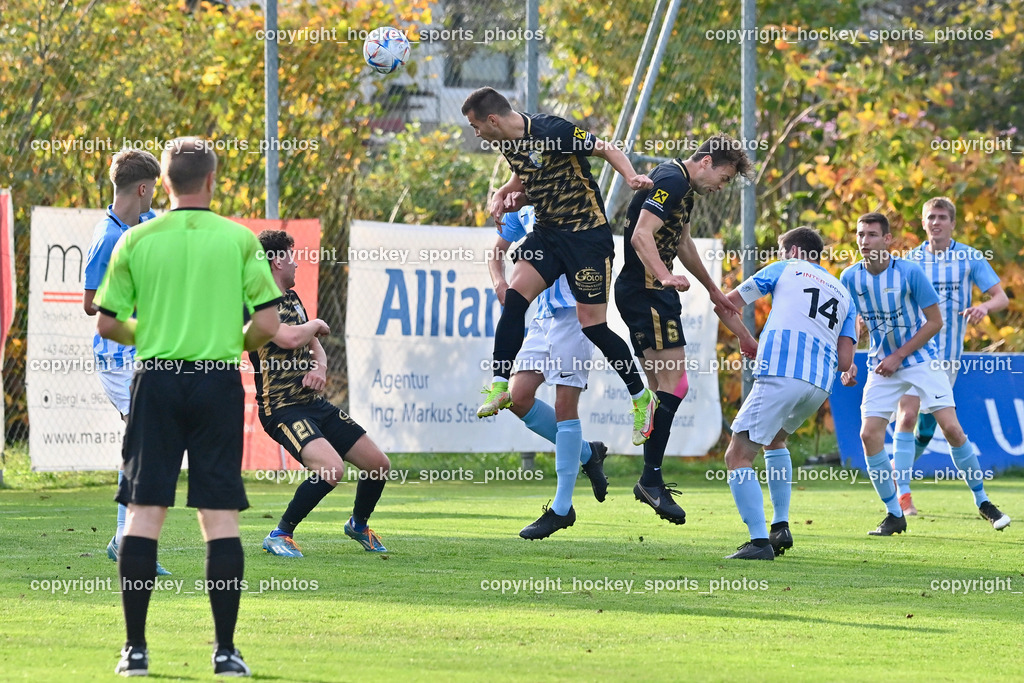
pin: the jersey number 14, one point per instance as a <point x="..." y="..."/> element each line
<point x="828" y="310"/>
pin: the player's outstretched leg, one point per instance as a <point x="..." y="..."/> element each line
<point x="375" y="467"/>
<point x="962" y="451"/>
<point x="326" y="468"/>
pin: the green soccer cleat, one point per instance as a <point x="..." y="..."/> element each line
<point x="498" y="398"/>
<point x="643" y="416"/>
<point x="282" y="546"/>
<point x="368" y="539"/>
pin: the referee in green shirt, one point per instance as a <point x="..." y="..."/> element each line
<point x="187" y="275"/>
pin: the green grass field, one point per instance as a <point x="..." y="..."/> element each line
<point x="839" y="606"/>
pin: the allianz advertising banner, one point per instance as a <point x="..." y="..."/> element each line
<point x="989" y="393"/>
<point x="420" y="332"/>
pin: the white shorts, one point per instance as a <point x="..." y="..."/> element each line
<point x="774" y="404"/>
<point x="557" y="348"/>
<point x="951" y="373"/>
<point x="117" y="384"/>
<point x="882" y="394"/>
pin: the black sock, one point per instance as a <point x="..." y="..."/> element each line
<point x="136" y="566"/>
<point x="617" y="353"/>
<point x="759" y="542"/>
<point x="225" y="565"/>
<point x="654" y="447"/>
<point x="509" y="333"/>
<point x="368" y="492"/>
<point x="779" y="525"/>
<point x="309" y="493"/>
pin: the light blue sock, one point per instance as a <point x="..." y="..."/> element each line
<point x="903" y="460"/>
<point x="967" y="462"/>
<point x="541" y="421"/>
<point x="880" y="472"/>
<point x="779" y="467"/>
<point x="122" y="514"/>
<point x="746" y="491"/>
<point x="567" y="463"/>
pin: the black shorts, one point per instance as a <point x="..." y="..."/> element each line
<point x="295" y="426"/>
<point x="584" y="257"/>
<point x="196" y="409"/>
<point x="654" y="316"/>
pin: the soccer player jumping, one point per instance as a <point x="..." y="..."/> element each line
<point x="548" y="157"/>
<point x="901" y="309"/>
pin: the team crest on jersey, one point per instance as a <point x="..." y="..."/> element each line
<point x="659" y="197"/>
<point x="536" y="159"/>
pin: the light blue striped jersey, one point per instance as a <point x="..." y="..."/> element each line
<point x="514" y="228"/>
<point x="952" y="273"/>
<point x="810" y="311"/>
<point x="109" y="354"/>
<point x="891" y="304"/>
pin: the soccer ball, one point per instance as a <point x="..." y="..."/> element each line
<point x="386" y="49"/>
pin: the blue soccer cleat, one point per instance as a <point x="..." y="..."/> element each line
<point x="282" y="546"/>
<point x="368" y="539"/>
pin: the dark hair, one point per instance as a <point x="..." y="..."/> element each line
<point x="186" y="163"/>
<point x="276" y="243"/>
<point x="484" y="102"/>
<point x="875" y="217"/>
<point x="805" y="239"/>
<point x="129" y="167"/>
<point x="726" y="150"/>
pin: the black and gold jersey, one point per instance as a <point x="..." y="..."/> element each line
<point x="279" y="372"/>
<point x="551" y="160"/>
<point x="671" y="200"/>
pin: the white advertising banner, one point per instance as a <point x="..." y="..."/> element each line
<point x="420" y="334"/>
<point x="73" y="425"/>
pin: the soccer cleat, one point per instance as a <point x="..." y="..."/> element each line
<point x="660" y="498"/>
<point x="594" y="469"/>
<point x="907" y="505"/>
<point x="134" y="662"/>
<point x="229" y="663"/>
<point x="498" y="398"/>
<point x="112" y="549"/>
<point x="549" y="523"/>
<point x="890" y="525"/>
<point x="990" y="512"/>
<point x="780" y="539"/>
<point x="749" y="551"/>
<point x="282" y="546"/>
<point x="368" y="539"/>
<point x="643" y="416"/>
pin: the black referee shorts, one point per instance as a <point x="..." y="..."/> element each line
<point x="193" y="408"/>
<point x="295" y="426"/>
<point x="653" y="316"/>
<point x="584" y="257"/>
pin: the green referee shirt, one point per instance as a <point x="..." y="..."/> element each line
<point x="188" y="274"/>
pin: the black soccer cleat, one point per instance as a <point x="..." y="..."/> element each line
<point x="890" y="525"/>
<point x="990" y="512"/>
<point x="594" y="469"/>
<point x="549" y="523"/>
<point x="749" y="551"/>
<point x="781" y="539"/>
<point x="134" y="662"/>
<point x="660" y="498"/>
<point x="229" y="663"/>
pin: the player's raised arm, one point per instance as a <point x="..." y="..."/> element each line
<point x="620" y="162"/>
<point x="646" y="248"/>
<point x="316" y="379"/>
<point x="297" y="336"/>
<point x="691" y="260"/>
